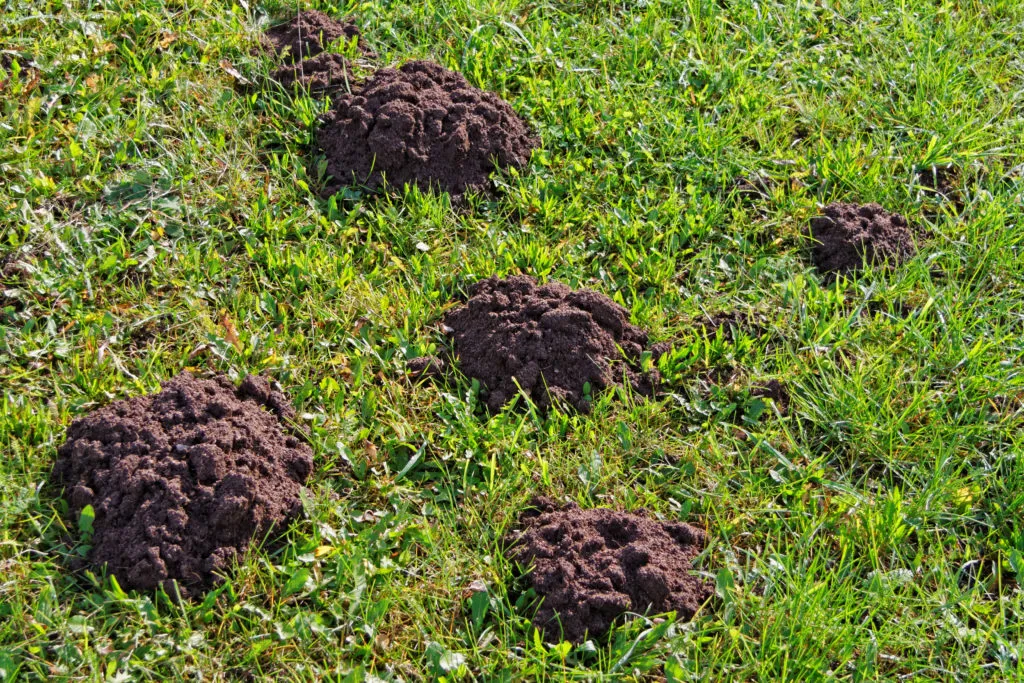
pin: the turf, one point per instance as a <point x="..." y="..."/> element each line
<point x="155" y="218"/>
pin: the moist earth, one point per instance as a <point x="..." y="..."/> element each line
<point x="423" y="125"/>
<point x="318" y="74"/>
<point x="592" y="566"/>
<point x="548" y="340"/>
<point x="849" y="235"/>
<point x="182" y="481"/>
<point x="307" y="34"/>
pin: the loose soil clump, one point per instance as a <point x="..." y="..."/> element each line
<point x="850" y="235"/>
<point x="307" y="34"/>
<point x="326" y="71"/>
<point x="422" y="125"/>
<point x="182" y="481"/>
<point x="548" y="340"/>
<point x="592" y="566"/>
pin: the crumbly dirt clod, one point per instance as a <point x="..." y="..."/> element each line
<point x="423" y="125"/>
<point x="306" y="34"/>
<point x="182" y="481"/>
<point x="592" y="566"/>
<point x="849" y="236"/>
<point x="549" y="340"/>
<point x="327" y="71"/>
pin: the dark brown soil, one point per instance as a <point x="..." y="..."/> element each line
<point x="325" y="72"/>
<point x="182" y="481"/>
<point x="776" y="391"/>
<point x="850" y="235"/>
<point x="307" y="34"/>
<point x="549" y="340"/>
<point x="592" y="566"/>
<point x="426" y="367"/>
<point x="940" y="180"/>
<point x="423" y="125"/>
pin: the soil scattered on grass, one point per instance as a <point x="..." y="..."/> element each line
<point x="731" y="324"/>
<point x="549" y="340"/>
<point x="307" y="34"/>
<point x="940" y="185"/>
<point x="940" y="180"/>
<point x="427" y="367"/>
<point x="423" y="125"/>
<point x="327" y="71"/>
<point x="776" y="391"/>
<point x="183" y="480"/>
<point x="850" y="235"/>
<point x="592" y="566"/>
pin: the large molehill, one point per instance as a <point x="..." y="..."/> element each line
<point x="423" y="125"/>
<point x="181" y="482"/>
<point x="549" y="341"/>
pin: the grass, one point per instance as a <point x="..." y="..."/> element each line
<point x="153" y="219"/>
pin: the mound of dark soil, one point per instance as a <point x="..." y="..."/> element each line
<point x="183" y="480"/>
<point x="421" y="125"/>
<point x="307" y="34"/>
<point x="850" y="235"/>
<point x="592" y="566"/>
<point x="549" y="340"/>
<point x="326" y="71"/>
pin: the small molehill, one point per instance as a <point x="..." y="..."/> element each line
<point x="327" y="71"/>
<point x="307" y="34"/>
<point x="548" y="340"/>
<point x="849" y="236"/>
<point x="592" y="566"/>
<point x="182" y="481"/>
<point x="422" y="125"/>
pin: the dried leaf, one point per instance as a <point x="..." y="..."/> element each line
<point x="230" y="332"/>
<point x="233" y="72"/>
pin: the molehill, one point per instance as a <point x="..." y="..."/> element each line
<point x="548" y="340"/>
<point x="592" y="566"/>
<point x="182" y="481"/>
<point x="423" y="125"/>
<point x="307" y="34"/>
<point x="850" y="235"/>
<point x="326" y="71"/>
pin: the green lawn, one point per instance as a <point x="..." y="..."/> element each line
<point x="154" y="219"/>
